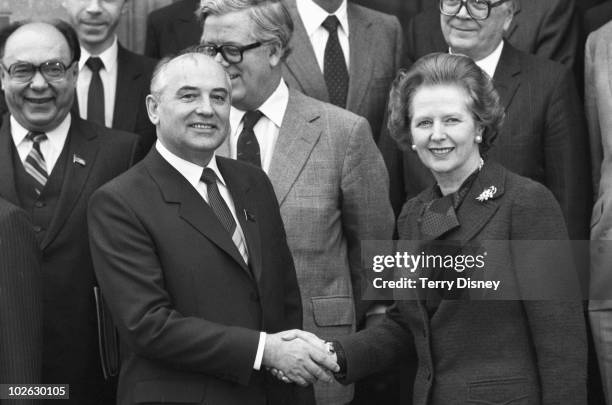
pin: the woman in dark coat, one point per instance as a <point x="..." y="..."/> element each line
<point x="473" y="352"/>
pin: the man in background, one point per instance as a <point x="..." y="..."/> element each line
<point x="113" y="82"/>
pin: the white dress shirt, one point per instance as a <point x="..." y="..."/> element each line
<point x="108" y="75"/>
<point x="193" y="174"/>
<point x="51" y="148"/>
<point x="267" y="128"/>
<point x="312" y="16"/>
<point x="489" y="63"/>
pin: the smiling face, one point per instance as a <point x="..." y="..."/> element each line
<point x="95" y="21"/>
<point x="38" y="105"/>
<point x="476" y="39"/>
<point x="444" y="132"/>
<point x="257" y="76"/>
<point x="190" y="107"/>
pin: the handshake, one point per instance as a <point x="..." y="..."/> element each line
<point x="300" y="357"/>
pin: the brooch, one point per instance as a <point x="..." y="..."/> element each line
<point x="487" y="194"/>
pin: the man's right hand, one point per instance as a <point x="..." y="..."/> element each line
<point x="301" y="357"/>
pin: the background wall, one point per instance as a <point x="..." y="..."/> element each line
<point x="131" y="31"/>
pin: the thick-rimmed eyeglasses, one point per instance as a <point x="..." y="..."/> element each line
<point x="23" y="72"/>
<point x="477" y="9"/>
<point x="231" y="53"/>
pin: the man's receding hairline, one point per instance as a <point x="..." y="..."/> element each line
<point x="157" y="89"/>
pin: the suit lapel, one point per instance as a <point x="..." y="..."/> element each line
<point x="361" y="60"/>
<point x="239" y="189"/>
<point x="299" y="133"/>
<point x="126" y="99"/>
<point x="302" y="62"/>
<point x="507" y="77"/>
<point x="473" y="214"/>
<point x="83" y="145"/>
<point x="193" y="209"/>
<point x="7" y="185"/>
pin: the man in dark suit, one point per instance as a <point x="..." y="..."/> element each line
<point x="172" y="28"/>
<point x="192" y="258"/>
<point x="370" y="56"/>
<point x="543" y="136"/>
<point x="50" y="163"/>
<point x="113" y="82"/>
<point x="20" y="300"/>
<point x="545" y="28"/>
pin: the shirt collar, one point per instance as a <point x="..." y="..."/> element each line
<point x="57" y="136"/>
<point x="273" y="108"/>
<point x="313" y="15"/>
<point x="191" y="171"/>
<point x="489" y="63"/>
<point x="109" y="57"/>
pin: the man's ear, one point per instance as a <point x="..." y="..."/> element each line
<point x="152" y="109"/>
<point x="124" y="7"/>
<point x="275" y="53"/>
<point x="509" y="16"/>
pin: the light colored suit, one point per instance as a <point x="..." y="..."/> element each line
<point x="332" y="188"/>
<point x="598" y="101"/>
<point x="375" y="42"/>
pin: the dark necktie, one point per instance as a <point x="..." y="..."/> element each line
<point x="95" y="97"/>
<point x="334" y="65"/>
<point x="34" y="163"/>
<point x="248" y="147"/>
<point x="222" y="211"/>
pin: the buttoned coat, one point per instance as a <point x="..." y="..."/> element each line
<point x="188" y="308"/>
<point x="375" y="43"/>
<point x="598" y="102"/>
<point x="331" y="185"/>
<point x="543" y="137"/>
<point x="20" y="301"/>
<point x="70" y="339"/>
<point x="475" y="352"/>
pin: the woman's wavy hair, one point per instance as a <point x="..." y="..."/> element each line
<point x="445" y="69"/>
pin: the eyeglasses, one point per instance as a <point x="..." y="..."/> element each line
<point x="231" y="53"/>
<point x="23" y="72"/>
<point x="477" y="9"/>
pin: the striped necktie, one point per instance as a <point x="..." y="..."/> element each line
<point x="222" y="211"/>
<point x="34" y="163"/>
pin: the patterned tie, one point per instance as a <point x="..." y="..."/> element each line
<point x="222" y="211"/>
<point x="248" y="147"/>
<point x="334" y="65"/>
<point x="34" y="163"/>
<point x="95" y="97"/>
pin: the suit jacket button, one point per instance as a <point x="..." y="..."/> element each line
<point x="39" y="204"/>
<point x="37" y="228"/>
